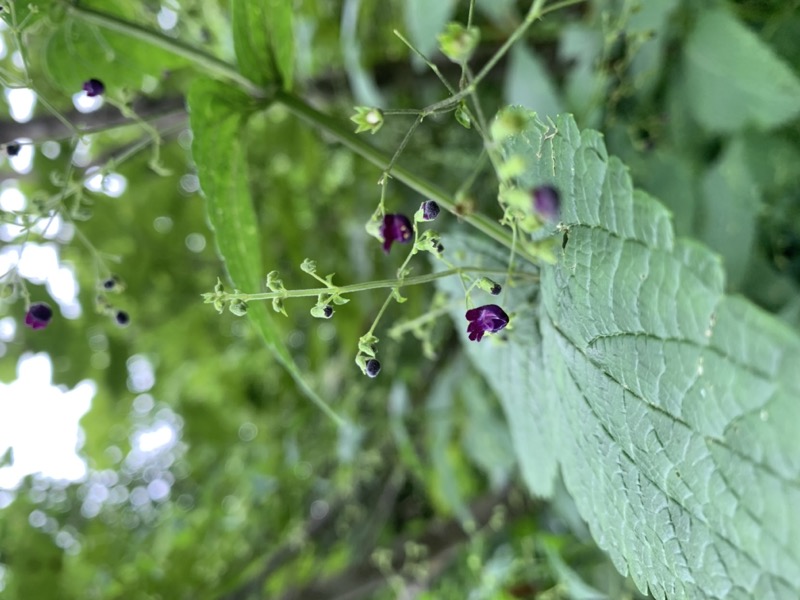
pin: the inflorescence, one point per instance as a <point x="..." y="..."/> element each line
<point x="390" y="229"/>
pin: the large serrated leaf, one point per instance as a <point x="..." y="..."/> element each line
<point x="734" y="80"/>
<point x="263" y="37"/>
<point x="515" y="370"/>
<point x="677" y="406"/>
<point x="217" y="113"/>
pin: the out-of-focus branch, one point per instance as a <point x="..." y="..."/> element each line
<point x="48" y="127"/>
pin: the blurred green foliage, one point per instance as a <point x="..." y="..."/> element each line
<point x="268" y="498"/>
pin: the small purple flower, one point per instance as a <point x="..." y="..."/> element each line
<point x="94" y="87"/>
<point x="395" y="228"/>
<point x="546" y="202"/>
<point x="13" y="148"/>
<point x="38" y="315"/>
<point x="430" y="210"/>
<point x="489" y="318"/>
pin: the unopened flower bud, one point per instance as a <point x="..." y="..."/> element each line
<point x="238" y="307"/>
<point x="94" y="87"/>
<point x="487" y="285"/>
<point x="373" y="367"/>
<point x="322" y="312"/>
<point x="428" y="211"/>
<point x="458" y="43"/>
<point x="122" y="318"/>
<point x="367" y="118"/>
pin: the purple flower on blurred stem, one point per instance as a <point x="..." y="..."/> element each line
<point x="38" y="315"/>
<point x="546" y="203"/>
<point x="489" y="318"/>
<point x="94" y="87"/>
<point x="430" y="210"/>
<point x="395" y="228"/>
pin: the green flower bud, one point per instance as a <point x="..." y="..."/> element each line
<point x="322" y="311"/>
<point x="458" y="43"/>
<point x="462" y="115"/>
<point x="238" y="307"/>
<point x="487" y="285"/>
<point x="277" y="306"/>
<point x="509" y="121"/>
<point x="274" y="282"/>
<point x="309" y="266"/>
<point x="367" y="118"/>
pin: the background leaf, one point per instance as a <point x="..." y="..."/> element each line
<point x="730" y="206"/>
<point x="529" y="84"/>
<point x="425" y="19"/>
<point x="676" y="402"/>
<point x="734" y="80"/>
<point x="263" y="37"/>
<point x="217" y="112"/>
<point x="515" y="370"/>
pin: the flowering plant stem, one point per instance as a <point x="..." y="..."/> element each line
<point x="360" y="287"/>
<point x="333" y="127"/>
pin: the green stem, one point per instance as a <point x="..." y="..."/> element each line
<point x="334" y="128"/>
<point x="534" y="13"/>
<point x="300" y="108"/>
<point x="360" y="287"/>
<point x="208" y="63"/>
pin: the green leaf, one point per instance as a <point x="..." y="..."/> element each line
<point x="529" y="84"/>
<point x="425" y="19"/>
<point x="515" y="371"/>
<point x="263" y="37"/>
<point x="675" y="424"/>
<point x="217" y="115"/>
<point x="734" y="80"/>
<point x="728" y="212"/>
<point x="77" y="51"/>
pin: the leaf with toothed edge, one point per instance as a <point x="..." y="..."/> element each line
<point x="672" y="408"/>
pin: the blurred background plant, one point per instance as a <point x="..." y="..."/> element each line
<point x="202" y="471"/>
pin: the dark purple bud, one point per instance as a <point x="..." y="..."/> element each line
<point x="327" y="311"/>
<point x="395" y="228"/>
<point x="94" y="87"/>
<point x="496" y="289"/>
<point x="110" y="283"/>
<point x="373" y="367"/>
<point x="546" y="202"/>
<point x="430" y="210"/>
<point x="13" y="148"/>
<point x="38" y="315"/>
<point x="489" y="318"/>
<point x="122" y="318"/>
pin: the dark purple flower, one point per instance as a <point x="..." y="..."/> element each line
<point x="94" y="87"/>
<point x="38" y="315"/>
<point x="13" y="148"/>
<point x="373" y="367"/>
<point x="430" y="210"/>
<point x="546" y="202"/>
<point x="489" y="318"/>
<point x="395" y="228"/>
